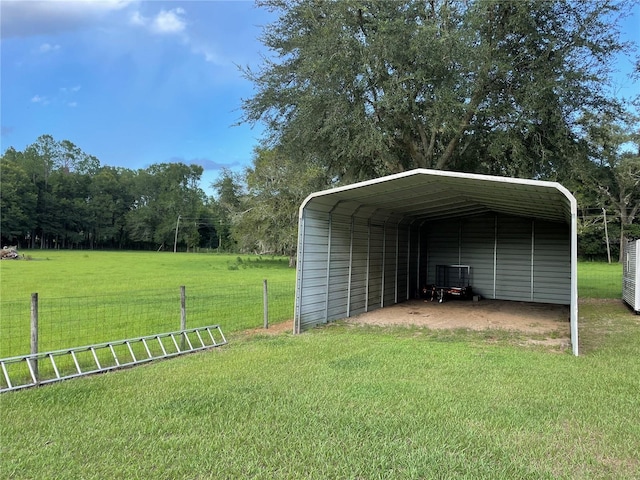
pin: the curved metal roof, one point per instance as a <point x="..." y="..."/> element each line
<point x="435" y="194"/>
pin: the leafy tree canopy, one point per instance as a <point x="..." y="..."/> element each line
<point x="369" y="88"/>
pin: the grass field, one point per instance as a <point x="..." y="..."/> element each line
<point x="599" y="280"/>
<point x="346" y="402"/>
<point x="90" y="297"/>
<point x="65" y="273"/>
<point x="341" y="402"/>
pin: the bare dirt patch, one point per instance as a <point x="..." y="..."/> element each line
<point x="274" y="329"/>
<point x="549" y="323"/>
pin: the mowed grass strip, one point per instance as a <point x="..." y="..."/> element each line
<point x="346" y="402"/>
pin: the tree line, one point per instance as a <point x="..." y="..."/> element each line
<point x="54" y="195"/>
<point x="354" y="90"/>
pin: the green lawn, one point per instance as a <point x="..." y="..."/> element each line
<point x="66" y="273"/>
<point x="91" y="297"/>
<point x="88" y="297"/>
<point x="336" y="402"/>
<point x="346" y="402"/>
<point x="599" y="280"/>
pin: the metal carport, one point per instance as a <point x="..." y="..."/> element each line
<point x="373" y="244"/>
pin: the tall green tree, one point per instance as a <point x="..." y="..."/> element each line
<point x="377" y="87"/>
<point x="110" y="198"/>
<point x="276" y="186"/>
<point x="18" y="199"/>
<point x="227" y="204"/>
<point x="610" y="176"/>
<point x="166" y="192"/>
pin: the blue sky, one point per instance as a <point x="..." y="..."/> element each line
<point x="133" y="83"/>
<point x="142" y="82"/>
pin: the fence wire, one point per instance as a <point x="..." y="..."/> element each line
<point x="77" y="321"/>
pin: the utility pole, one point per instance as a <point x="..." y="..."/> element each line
<point x="606" y="234"/>
<point x="175" y="240"/>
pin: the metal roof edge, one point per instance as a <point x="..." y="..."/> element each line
<point x="446" y="173"/>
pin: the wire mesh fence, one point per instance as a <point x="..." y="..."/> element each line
<point x="77" y="321"/>
<point x="599" y="280"/>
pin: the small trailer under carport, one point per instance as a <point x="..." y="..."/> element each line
<point x="376" y="243"/>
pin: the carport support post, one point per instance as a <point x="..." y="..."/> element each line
<point x="350" y="264"/>
<point x="326" y="299"/>
<point x="397" y="260"/>
<point x="574" y="277"/>
<point x="366" y="286"/>
<point x="34" y="334"/>
<point x="384" y="261"/>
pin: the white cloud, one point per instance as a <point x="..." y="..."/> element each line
<point x="209" y="54"/>
<point x="174" y="22"/>
<point x="164" y="22"/>
<point x="48" y="48"/>
<point x="67" y="90"/>
<point x="39" y="99"/>
<point x="136" y="18"/>
<point x="72" y="104"/>
<point x="169" y="21"/>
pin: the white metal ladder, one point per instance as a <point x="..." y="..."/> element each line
<point x="41" y="368"/>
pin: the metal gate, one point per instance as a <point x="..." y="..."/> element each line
<point x="47" y="367"/>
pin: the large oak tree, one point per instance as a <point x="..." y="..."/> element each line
<point x="375" y="87"/>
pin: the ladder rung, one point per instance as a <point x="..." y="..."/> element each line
<point x="31" y="369"/>
<point x="164" y="352"/>
<point x="95" y="357"/>
<point x="75" y="360"/>
<point x="146" y="347"/>
<point x="55" y="367"/>
<point x="6" y="375"/>
<point x="133" y="356"/>
<point x="200" y="338"/>
<point x="115" y="358"/>
<point x="188" y="341"/>
<point x="175" y="343"/>
<point x="211" y="335"/>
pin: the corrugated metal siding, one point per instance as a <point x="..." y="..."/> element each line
<point x="390" y="264"/>
<point x="338" y="266"/>
<point x="402" y="279"/>
<point x="443" y="246"/>
<point x="359" y="266"/>
<point x="423" y="260"/>
<point x="631" y="275"/>
<point x="552" y="263"/>
<point x="312" y="274"/>
<point x="478" y="235"/>
<point x="376" y="237"/>
<point x="472" y="241"/>
<point x="513" y="259"/>
<point x="414" y="258"/>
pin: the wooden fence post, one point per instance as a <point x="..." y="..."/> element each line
<point x="34" y="333"/>
<point x="265" y="302"/>
<point x="183" y="312"/>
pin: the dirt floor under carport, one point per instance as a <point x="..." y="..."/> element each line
<point x="544" y="320"/>
<point x="548" y="323"/>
